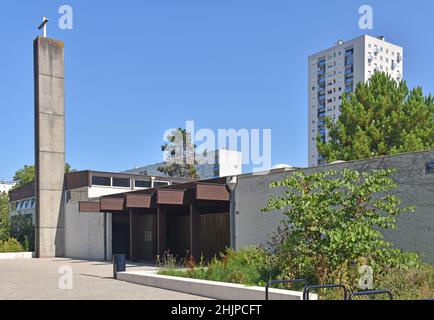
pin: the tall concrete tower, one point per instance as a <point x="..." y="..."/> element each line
<point x="49" y="146"/>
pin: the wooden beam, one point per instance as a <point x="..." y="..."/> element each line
<point x="139" y="201"/>
<point x="195" y="247"/>
<point x="212" y="192"/>
<point x="161" y="231"/>
<point x="171" y="197"/>
<point x="132" y="258"/>
<point x="112" y="204"/>
<point x="87" y="206"/>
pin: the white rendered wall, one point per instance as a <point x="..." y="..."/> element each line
<point x="84" y="234"/>
<point x="415" y="187"/>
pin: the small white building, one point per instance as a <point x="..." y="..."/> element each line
<point x="6" y="186"/>
<point x="215" y="164"/>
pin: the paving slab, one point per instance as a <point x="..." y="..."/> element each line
<point x="38" y="279"/>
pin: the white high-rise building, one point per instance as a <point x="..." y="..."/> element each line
<point x="336" y="71"/>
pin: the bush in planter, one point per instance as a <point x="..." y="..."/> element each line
<point x="11" y="245"/>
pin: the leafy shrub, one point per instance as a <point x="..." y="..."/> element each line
<point x="11" y="245"/>
<point x="23" y="230"/>
<point x="4" y="217"/>
<point x="405" y="284"/>
<point x="248" y="266"/>
<point x="333" y="225"/>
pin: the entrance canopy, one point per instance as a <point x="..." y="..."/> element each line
<point x="209" y="192"/>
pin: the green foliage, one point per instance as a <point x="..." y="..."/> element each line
<point x="26" y="175"/>
<point x="332" y="227"/>
<point x="248" y="266"/>
<point x="10" y="245"/>
<point x="4" y="217"/>
<point x="382" y="117"/>
<point x="23" y="230"/>
<point x="405" y="284"/>
<point x="333" y="222"/>
<point x="180" y="160"/>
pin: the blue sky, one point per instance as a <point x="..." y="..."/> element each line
<point x="137" y="68"/>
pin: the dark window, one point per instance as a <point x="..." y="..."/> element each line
<point x="142" y="184"/>
<point x="101" y="181"/>
<point x="121" y="182"/>
<point x="158" y="184"/>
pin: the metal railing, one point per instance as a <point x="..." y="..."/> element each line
<point x="324" y="286"/>
<point x="271" y="283"/>
<point x="371" y="293"/>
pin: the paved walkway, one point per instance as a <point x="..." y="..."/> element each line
<point x="31" y="279"/>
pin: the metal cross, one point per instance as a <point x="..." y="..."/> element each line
<point x="43" y="26"/>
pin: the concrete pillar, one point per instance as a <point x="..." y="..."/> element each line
<point x="195" y="249"/>
<point x="49" y="146"/>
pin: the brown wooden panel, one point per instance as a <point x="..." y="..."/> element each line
<point x="214" y="235"/>
<point x="212" y="192"/>
<point x="86" y="206"/>
<point x="139" y="201"/>
<point x="25" y="192"/>
<point x="178" y="236"/>
<point x="112" y="204"/>
<point x="76" y="180"/>
<point x="172" y="197"/>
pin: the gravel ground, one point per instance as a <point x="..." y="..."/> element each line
<point x="38" y="279"/>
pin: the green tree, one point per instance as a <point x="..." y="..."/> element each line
<point x="26" y="175"/>
<point x="4" y="217"/>
<point x="382" y="117"/>
<point x="180" y="155"/>
<point x="333" y="224"/>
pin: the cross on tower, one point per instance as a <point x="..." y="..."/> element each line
<point x="43" y="26"/>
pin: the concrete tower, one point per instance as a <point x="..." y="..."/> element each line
<point x="49" y="146"/>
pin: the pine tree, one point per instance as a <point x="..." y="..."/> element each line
<point x="382" y="117"/>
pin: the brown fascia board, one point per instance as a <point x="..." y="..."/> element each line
<point x="111" y="204"/>
<point x="77" y="179"/>
<point x="25" y="192"/>
<point x="89" y="207"/>
<point x="212" y="192"/>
